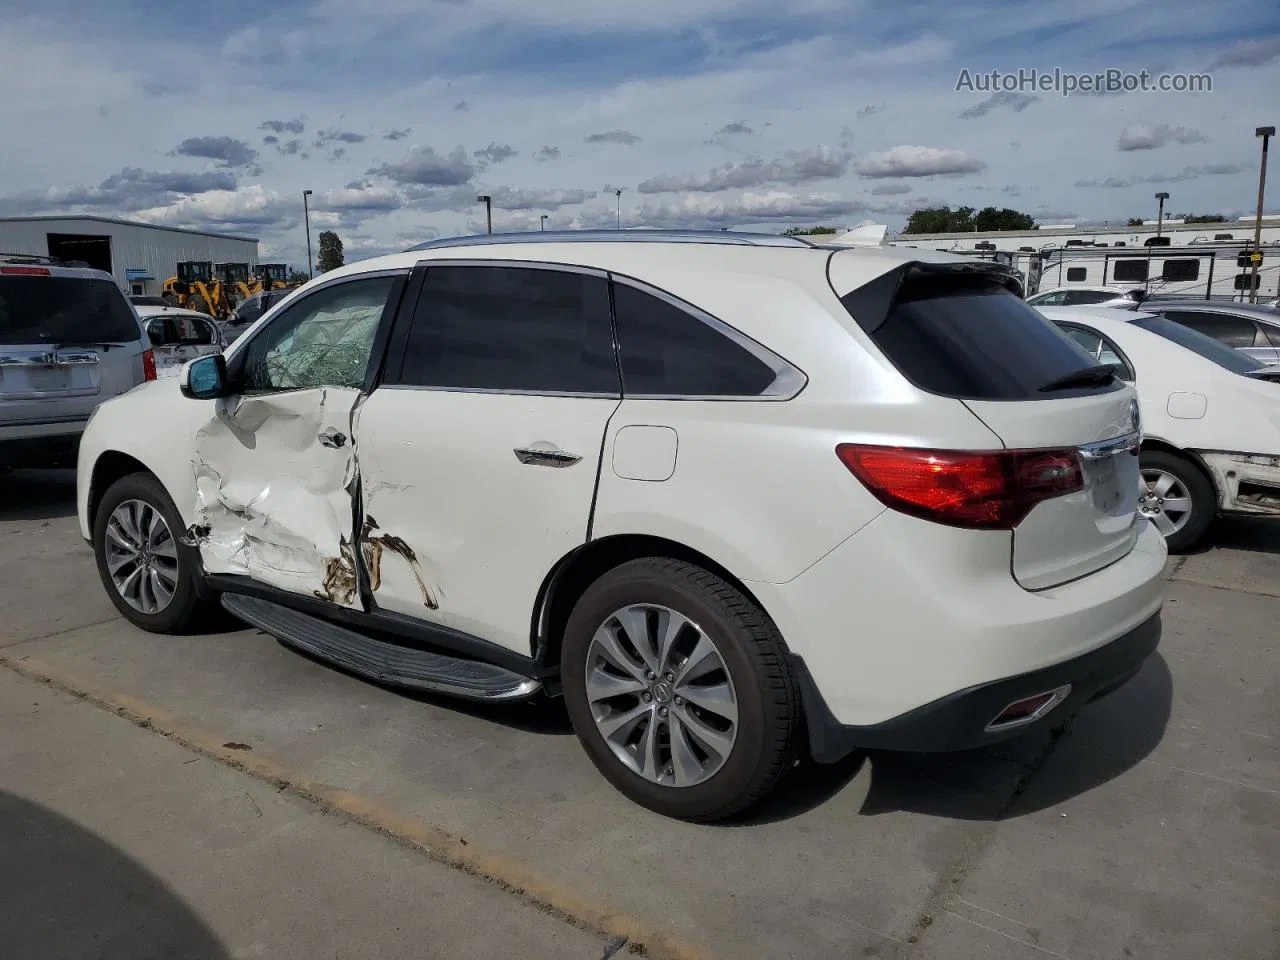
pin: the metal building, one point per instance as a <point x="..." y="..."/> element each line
<point x="140" y="255"/>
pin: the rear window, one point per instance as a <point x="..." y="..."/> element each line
<point x="1206" y="346"/>
<point x="969" y="337"/>
<point x="64" y="310"/>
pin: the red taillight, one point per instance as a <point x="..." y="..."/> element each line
<point x="990" y="490"/>
<point x="148" y="365"/>
<point x="26" y="271"/>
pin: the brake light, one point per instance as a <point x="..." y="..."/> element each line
<point x="987" y="490"/>
<point x="26" y="271"/>
<point x="148" y="365"/>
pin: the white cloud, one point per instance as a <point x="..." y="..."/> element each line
<point x="912" y="161"/>
<point x="793" y="167"/>
<point x="1141" y="136"/>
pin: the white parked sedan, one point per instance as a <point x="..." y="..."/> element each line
<point x="179" y="335"/>
<point x="1210" y="418"/>
<point x="718" y="491"/>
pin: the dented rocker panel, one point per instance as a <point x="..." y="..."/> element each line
<point x="1247" y="483"/>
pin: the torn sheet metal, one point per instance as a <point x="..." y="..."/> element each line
<point x="379" y="548"/>
<point x="272" y="501"/>
<point x="1247" y="483"/>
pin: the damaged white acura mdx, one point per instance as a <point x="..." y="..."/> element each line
<point x="733" y="496"/>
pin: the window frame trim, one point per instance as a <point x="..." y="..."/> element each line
<point x="789" y="380"/>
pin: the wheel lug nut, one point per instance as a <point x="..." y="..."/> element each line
<point x="668" y="676"/>
<point x="650" y="675"/>
<point x="662" y="711"/>
<point x="646" y="696"/>
<point x="679" y="701"/>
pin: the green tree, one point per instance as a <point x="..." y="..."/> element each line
<point x="297" y="276"/>
<point x="940" y="220"/>
<point x="330" y="257"/>
<point x="989" y="218"/>
<point x="808" y="231"/>
<point x="1134" y="222"/>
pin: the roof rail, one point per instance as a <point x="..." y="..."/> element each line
<point x="741" y="238"/>
<point x="38" y="258"/>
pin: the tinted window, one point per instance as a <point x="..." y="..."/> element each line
<point x="64" y="310"/>
<point x="1076" y="274"/>
<point x="666" y="351"/>
<point x="1129" y="271"/>
<point x="1078" y="297"/>
<point x="970" y="337"/>
<point x="1233" y="331"/>
<point x="1207" y="347"/>
<point x="512" y="328"/>
<point x="1051" y="299"/>
<point x="325" y="339"/>
<point x="1100" y="348"/>
<point x="1180" y="270"/>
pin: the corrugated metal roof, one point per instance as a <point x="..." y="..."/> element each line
<point x="126" y="223"/>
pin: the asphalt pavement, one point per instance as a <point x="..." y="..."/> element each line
<point x="220" y="795"/>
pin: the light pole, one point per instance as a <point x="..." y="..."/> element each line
<point x="1162" y="197"/>
<point x="488" y="210"/>
<point x="306" y="216"/>
<point x="618" y="194"/>
<point x="544" y="221"/>
<point x="1266" y="133"/>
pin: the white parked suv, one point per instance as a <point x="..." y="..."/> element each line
<point x="732" y="496"/>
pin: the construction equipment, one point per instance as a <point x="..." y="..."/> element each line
<point x="237" y="285"/>
<point x="273" y="276"/>
<point x="196" y="288"/>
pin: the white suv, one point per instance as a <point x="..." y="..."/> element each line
<point x="732" y="496"/>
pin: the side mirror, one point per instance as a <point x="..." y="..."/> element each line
<point x="204" y="378"/>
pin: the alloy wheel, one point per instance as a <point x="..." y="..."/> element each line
<point x="661" y="695"/>
<point x="141" y="556"/>
<point x="1164" y="500"/>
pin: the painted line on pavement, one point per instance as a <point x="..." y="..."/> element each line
<point x="509" y="875"/>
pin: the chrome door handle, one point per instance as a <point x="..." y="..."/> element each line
<point x="332" y="438"/>
<point x="546" y="457"/>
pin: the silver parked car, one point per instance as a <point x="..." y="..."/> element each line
<point x="1252" y="329"/>
<point x="68" y="341"/>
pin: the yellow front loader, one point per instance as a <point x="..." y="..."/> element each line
<point x="196" y="288"/>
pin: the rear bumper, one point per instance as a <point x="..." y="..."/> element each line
<point x="960" y="720"/>
<point x="55" y="449"/>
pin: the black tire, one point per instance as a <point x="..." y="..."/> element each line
<point x="1200" y="490"/>
<point x="187" y="607"/>
<point x="199" y="304"/>
<point x="768" y="703"/>
<point x="170" y="298"/>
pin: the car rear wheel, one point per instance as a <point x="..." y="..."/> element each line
<point x="1177" y="497"/>
<point x="678" y="687"/>
<point x="149" y="575"/>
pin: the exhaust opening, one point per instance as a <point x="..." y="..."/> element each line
<point x="1028" y="709"/>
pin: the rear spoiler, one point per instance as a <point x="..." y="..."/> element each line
<point x="870" y="303"/>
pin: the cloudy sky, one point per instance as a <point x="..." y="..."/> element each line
<point x="739" y="113"/>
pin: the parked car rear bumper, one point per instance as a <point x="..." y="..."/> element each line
<point x="906" y="614"/>
<point x="964" y="720"/>
<point x="40" y="445"/>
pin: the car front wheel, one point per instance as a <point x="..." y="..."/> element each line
<point x="148" y="574"/>
<point x="678" y="687"/>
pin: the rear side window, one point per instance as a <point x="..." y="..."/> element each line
<point x="64" y="310"/>
<point x="969" y="337"/>
<point x="668" y="352"/>
<point x="512" y="329"/>
<point x="1233" y="331"/>
<point x="1205" y="346"/>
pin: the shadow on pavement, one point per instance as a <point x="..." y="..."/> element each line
<point x="1010" y="779"/>
<point x="37" y="494"/>
<point x="1255" y="535"/>
<point x="65" y="892"/>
